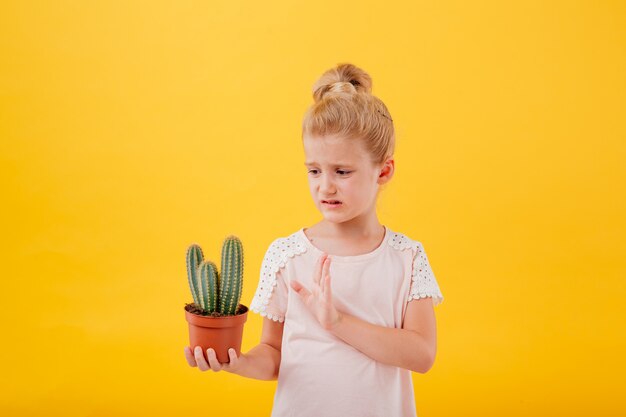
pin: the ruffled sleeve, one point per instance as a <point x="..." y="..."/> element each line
<point x="423" y="282"/>
<point x="270" y="299"/>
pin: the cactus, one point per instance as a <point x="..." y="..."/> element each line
<point x="194" y="259"/>
<point x="212" y="291"/>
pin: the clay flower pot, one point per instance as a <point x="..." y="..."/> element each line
<point x="219" y="333"/>
<point x="216" y="317"/>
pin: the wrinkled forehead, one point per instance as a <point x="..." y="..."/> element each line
<point x="333" y="151"/>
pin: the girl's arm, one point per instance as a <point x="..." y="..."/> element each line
<point x="263" y="360"/>
<point x="412" y="347"/>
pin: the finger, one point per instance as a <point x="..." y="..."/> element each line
<point x="327" y="291"/>
<point x="302" y="292"/>
<point x="213" y="362"/>
<point x="202" y="365"/>
<point x="189" y="356"/>
<point x="318" y="269"/>
<point x="233" y="357"/>
<point x="327" y="266"/>
<point x="325" y="273"/>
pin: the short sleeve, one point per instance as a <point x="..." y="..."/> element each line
<point x="423" y="282"/>
<point x="270" y="298"/>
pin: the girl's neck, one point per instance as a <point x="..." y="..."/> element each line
<point x="348" y="231"/>
<point x="338" y="243"/>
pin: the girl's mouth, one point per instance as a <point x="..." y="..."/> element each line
<point x="331" y="204"/>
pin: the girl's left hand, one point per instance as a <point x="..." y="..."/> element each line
<point x="320" y="300"/>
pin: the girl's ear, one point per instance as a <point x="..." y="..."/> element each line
<point x="387" y="169"/>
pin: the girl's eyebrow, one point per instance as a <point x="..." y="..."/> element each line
<point x="341" y="164"/>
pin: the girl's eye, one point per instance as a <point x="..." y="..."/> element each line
<point x="341" y="172"/>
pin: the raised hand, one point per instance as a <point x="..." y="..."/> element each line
<point x="320" y="299"/>
<point x="197" y="359"/>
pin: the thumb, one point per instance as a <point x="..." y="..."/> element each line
<point x="298" y="288"/>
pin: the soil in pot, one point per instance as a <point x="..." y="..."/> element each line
<point x="194" y="309"/>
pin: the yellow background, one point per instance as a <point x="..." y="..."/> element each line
<point x="131" y="129"/>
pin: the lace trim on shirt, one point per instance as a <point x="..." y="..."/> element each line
<point x="423" y="282"/>
<point x="275" y="258"/>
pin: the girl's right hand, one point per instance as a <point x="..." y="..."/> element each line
<point x="196" y="358"/>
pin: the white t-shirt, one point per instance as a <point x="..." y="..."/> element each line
<point x="320" y="375"/>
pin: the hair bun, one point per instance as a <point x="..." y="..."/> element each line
<point x="345" y="79"/>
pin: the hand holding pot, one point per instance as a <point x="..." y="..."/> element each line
<point x="196" y="358"/>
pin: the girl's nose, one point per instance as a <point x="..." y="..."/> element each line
<point x="327" y="185"/>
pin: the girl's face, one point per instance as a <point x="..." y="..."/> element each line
<point x="341" y="170"/>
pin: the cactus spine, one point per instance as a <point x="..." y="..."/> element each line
<point x="213" y="291"/>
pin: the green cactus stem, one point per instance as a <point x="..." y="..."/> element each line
<point x="194" y="260"/>
<point x="231" y="281"/>
<point x="209" y="283"/>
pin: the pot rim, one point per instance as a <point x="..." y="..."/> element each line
<point x="217" y="322"/>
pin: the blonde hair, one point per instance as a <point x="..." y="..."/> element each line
<point x="344" y="106"/>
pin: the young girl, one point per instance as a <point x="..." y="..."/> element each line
<point x="347" y="303"/>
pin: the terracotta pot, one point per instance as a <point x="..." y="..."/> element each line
<point x="219" y="333"/>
